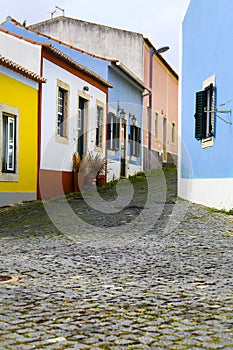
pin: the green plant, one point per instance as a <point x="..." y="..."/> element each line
<point x="76" y="162"/>
<point x="94" y="164"/>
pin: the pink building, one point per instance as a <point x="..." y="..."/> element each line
<point x="160" y="117"/>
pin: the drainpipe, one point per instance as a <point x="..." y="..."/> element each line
<point x="39" y="127"/>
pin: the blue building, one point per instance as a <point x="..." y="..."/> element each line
<point x="206" y="157"/>
<point x="125" y="102"/>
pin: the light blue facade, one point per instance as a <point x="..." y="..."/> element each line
<point x="126" y="92"/>
<point x="207" y="50"/>
<point x="126" y="96"/>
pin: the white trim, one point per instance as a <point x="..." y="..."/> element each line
<point x="5" y="176"/>
<point x="209" y="142"/>
<point x="205" y="192"/>
<point x="208" y="81"/>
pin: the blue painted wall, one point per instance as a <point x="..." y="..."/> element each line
<point x="129" y="97"/>
<point x="207" y="49"/>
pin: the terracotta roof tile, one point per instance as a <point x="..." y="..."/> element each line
<point x="77" y="65"/>
<point x="6" y="62"/>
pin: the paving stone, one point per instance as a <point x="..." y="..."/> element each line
<point x="129" y="290"/>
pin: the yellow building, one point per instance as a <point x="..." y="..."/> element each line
<point x="19" y="90"/>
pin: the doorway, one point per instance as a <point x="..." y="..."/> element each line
<point x="82" y="108"/>
<point x="123" y="148"/>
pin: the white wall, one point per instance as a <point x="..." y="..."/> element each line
<point x="214" y="193"/>
<point x="20" y="51"/>
<point x="109" y="42"/>
<point x="55" y="155"/>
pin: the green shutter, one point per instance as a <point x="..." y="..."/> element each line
<point x="199" y="115"/>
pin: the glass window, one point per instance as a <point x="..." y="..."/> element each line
<point x="9" y="143"/>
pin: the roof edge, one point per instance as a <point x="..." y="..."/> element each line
<point x="10" y="19"/>
<point x="161" y="58"/>
<point x="77" y="65"/>
<point x="83" y="21"/>
<point x="131" y="75"/>
<point x="6" y="62"/>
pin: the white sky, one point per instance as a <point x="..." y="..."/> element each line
<point x="160" y="20"/>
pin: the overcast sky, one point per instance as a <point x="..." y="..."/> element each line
<point x="160" y="20"/>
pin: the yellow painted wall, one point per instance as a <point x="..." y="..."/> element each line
<point x="25" y="98"/>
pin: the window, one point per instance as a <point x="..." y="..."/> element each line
<point x="113" y="132"/>
<point x="99" y="127"/>
<point x="156" y="125"/>
<point x="204" y="113"/>
<point x="61" y="113"/>
<point x="135" y="140"/>
<point x="173" y="132"/>
<point x="62" y="110"/>
<point x="9" y="143"/>
<point x="147" y="118"/>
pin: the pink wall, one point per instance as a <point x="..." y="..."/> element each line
<point x="164" y="103"/>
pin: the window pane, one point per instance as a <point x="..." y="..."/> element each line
<point x="8" y="154"/>
<point x="99" y="126"/>
<point x="61" y="112"/>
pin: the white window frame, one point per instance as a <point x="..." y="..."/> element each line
<point x="10" y="174"/>
<point x="208" y="141"/>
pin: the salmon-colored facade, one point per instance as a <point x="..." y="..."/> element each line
<point x="160" y="109"/>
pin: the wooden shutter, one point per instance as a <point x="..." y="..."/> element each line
<point x="138" y="141"/>
<point x="199" y="115"/>
<point x="116" y="133"/>
<point x="131" y="140"/>
<point x="109" y="126"/>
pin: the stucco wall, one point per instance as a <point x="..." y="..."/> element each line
<point x="101" y="40"/>
<point x="207" y="31"/>
<point x="55" y="155"/>
<point x="128" y="97"/>
<point x="21" y="52"/>
<point x="16" y="92"/>
<point x="164" y="104"/>
<point x="205" y="174"/>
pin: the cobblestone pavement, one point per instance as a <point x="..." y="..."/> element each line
<point x="163" y="289"/>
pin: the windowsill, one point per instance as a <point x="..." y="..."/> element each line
<point x="133" y="158"/>
<point x="111" y="152"/>
<point x="208" y="142"/>
<point x="63" y="140"/>
<point x="98" y="149"/>
<point x="8" y="177"/>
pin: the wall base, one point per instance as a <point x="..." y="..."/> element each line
<point x="156" y="159"/>
<point x="213" y="193"/>
<point x="7" y="198"/>
<point x="54" y="183"/>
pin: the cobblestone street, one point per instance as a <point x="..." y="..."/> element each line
<point x="167" y="287"/>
